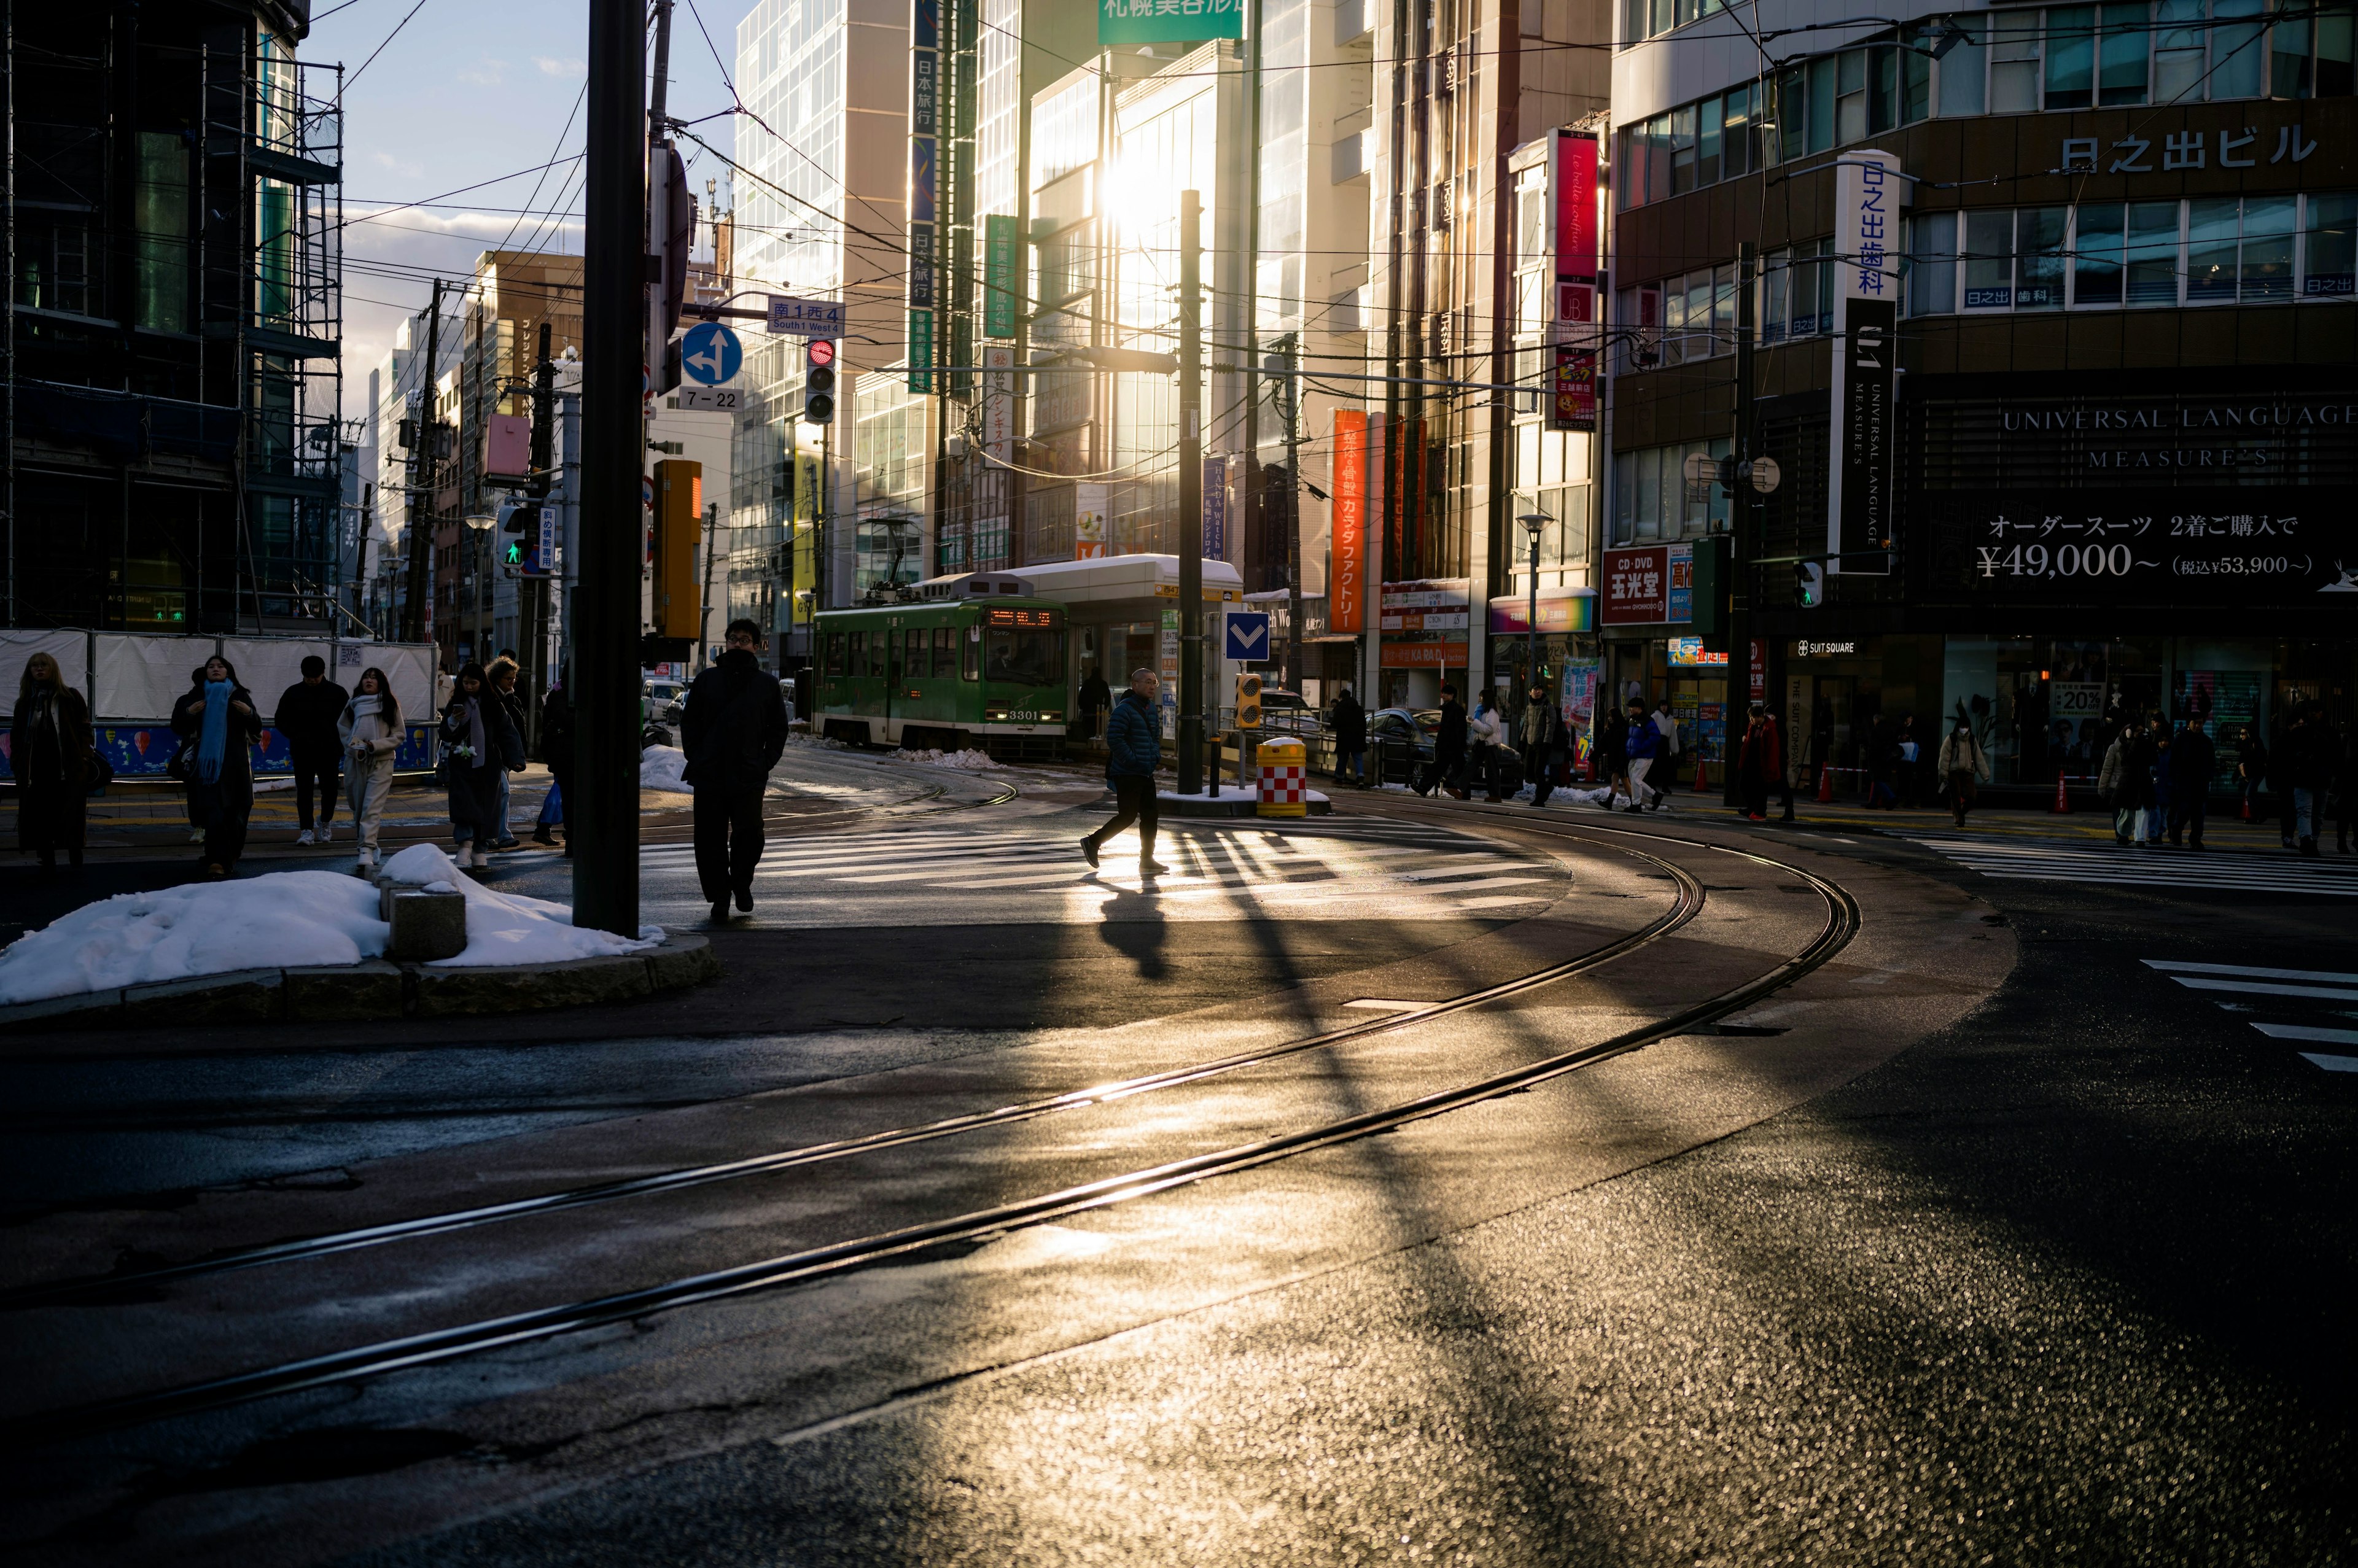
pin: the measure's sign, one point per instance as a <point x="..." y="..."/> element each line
<point x="2276" y="544"/>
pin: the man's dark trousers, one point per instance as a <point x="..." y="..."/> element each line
<point x="1133" y="802"/>
<point x="728" y="840"/>
<point x="2186" y="814"/>
<point x="319" y="772"/>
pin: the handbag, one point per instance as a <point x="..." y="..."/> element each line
<point x="181" y="767"/>
<point x="101" y="772"/>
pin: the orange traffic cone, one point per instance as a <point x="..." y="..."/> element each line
<point x="2063" y="801"/>
<point x="1702" y="782"/>
<point x="1825" y="785"/>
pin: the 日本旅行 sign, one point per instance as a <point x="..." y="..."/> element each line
<point x="1168" y="21"/>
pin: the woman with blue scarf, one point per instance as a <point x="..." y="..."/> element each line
<point x="218" y="716"/>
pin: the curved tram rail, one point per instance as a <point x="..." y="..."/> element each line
<point x="438" y="1345"/>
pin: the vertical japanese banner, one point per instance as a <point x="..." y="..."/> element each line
<point x="924" y="127"/>
<point x="1869" y="194"/>
<point x="999" y="401"/>
<point x="997" y="276"/>
<point x="1090" y="503"/>
<point x="1348" y="603"/>
<point x="1571" y="379"/>
<point x="1216" y="509"/>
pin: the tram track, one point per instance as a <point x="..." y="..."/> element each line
<point x="386" y="1355"/>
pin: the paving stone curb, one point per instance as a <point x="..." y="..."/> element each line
<point x="356" y="993"/>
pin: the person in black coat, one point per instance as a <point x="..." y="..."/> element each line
<point x="2191" y="760"/>
<point x="733" y="729"/>
<point x="50" y="757"/>
<point x="307" y="715"/>
<point x="1350" y="739"/>
<point x="217" y="715"/>
<point x="480" y="744"/>
<point x="556" y="752"/>
<point x="1096" y="697"/>
<point x="1448" y="748"/>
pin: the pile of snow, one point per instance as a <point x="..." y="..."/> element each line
<point x="824" y="742"/>
<point x="506" y="928"/>
<point x="659" y="768"/>
<point x="287" y="919"/>
<point x="969" y="759"/>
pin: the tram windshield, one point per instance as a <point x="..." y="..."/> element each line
<point x="1023" y="656"/>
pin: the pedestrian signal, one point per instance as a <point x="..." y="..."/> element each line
<point x="1248" y="701"/>
<point x="1809" y="584"/>
<point x="818" y="382"/>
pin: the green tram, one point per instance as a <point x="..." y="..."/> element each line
<point x="986" y="673"/>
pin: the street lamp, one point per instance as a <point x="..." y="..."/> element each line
<point x="1532" y="522"/>
<point x="480" y="524"/>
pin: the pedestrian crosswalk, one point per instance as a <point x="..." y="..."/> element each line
<point x="2331" y="994"/>
<point x="1330" y="868"/>
<point x="2151" y="867"/>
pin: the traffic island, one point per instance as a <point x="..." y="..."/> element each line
<point x="375" y="989"/>
<point x="1233" y="802"/>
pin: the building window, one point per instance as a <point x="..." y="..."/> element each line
<point x="1797" y="291"/>
<point x="1653" y="500"/>
<point x="2107" y="255"/>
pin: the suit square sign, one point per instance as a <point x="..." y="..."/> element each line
<point x="1248" y="638"/>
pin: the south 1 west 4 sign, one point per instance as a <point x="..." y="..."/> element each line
<point x="1123" y="22"/>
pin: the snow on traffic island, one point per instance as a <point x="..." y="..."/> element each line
<point x="660" y="767"/>
<point x="968" y="759"/>
<point x="283" y="920"/>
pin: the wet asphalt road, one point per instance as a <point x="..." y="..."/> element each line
<point x="2067" y="1277"/>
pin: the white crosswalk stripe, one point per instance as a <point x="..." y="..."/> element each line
<point x="1427" y="866"/>
<point x="2108" y="865"/>
<point x="2326" y="986"/>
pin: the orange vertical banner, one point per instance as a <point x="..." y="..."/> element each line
<point x="1347" y="595"/>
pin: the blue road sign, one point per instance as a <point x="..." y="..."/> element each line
<point x="1248" y="638"/>
<point x="709" y="353"/>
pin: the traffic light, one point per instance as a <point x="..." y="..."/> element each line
<point x="1809" y="584"/>
<point x="818" y="382"/>
<point x="1247" y="700"/>
<point x="679" y="512"/>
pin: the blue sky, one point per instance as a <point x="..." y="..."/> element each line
<point x="470" y="90"/>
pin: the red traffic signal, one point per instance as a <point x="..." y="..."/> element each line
<point x="821" y="351"/>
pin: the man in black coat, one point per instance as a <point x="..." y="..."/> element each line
<point x="1351" y="739"/>
<point x="733" y="729"/>
<point x="307" y="715"/>
<point x="1448" y="748"/>
<point x="2192" y="758"/>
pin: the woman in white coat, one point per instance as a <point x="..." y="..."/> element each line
<point x="370" y="730"/>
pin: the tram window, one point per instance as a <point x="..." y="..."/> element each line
<point x="945" y="653"/>
<point x="912" y="655"/>
<point x="858" y="654"/>
<point x="1025" y="658"/>
<point x="834" y="652"/>
<point x="970" y="653"/>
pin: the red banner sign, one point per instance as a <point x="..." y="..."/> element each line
<point x="1347" y="602"/>
<point x="1572" y="388"/>
<point x="1575" y="206"/>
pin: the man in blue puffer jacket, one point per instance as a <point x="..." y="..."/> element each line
<point x="1133" y="739"/>
<point x="1645" y="746"/>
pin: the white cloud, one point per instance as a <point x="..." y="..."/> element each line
<point x="487" y="74"/>
<point x="406" y="170"/>
<point x="565" y="68"/>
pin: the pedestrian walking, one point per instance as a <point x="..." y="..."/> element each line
<point x="1645" y="748"/>
<point x="478" y="746"/>
<point x="1542" y="737"/>
<point x="1096" y="697"/>
<point x="1448" y="748"/>
<point x="733" y="729"/>
<point x="1486" y="738"/>
<point x="2345" y="791"/>
<point x="2280" y="772"/>
<point x="503" y="672"/>
<point x="370" y="732"/>
<point x="557" y="752"/>
<point x="1350" y="721"/>
<point x="2112" y="779"/>
<point x="2306" y="758"/>
<point x="1664" y="775"/>
<point x="307" y="715"/>
<point x="2251" y="772"/>
<point x="1963" y="766"/>
<point x="218" y="725"/>
<point x="50" y="755"/>
<point x="1758" y="760"/>
<point x="1133" y="737"/>
<point x="1908" y="764"/>
<point x="1785" y="772"/>
<point x="1882" y="757"/>
<point x="1612" y="749"/>
<point x="2158" y="813"/>
<point x="2191" y="759"/>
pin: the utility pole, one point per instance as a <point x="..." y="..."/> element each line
<point x="416" y="619"/>
<point x="1191" y="496"/>
<point x="613" y="330"/>
<point x="1739" y="518"/>
<point x="703" y="594"/>
<point x="1290" y="390"/>
<point x="534" y="602"/>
